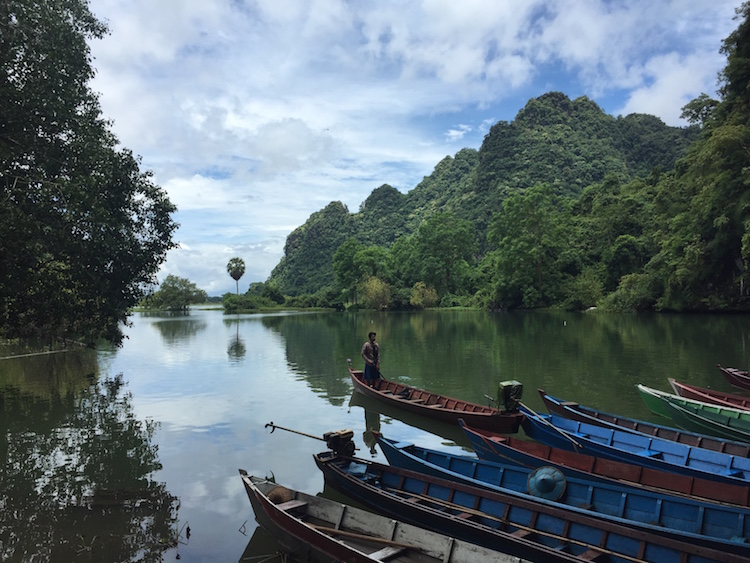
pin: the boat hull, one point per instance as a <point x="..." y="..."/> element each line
<point x="438" y="407"/>
<point x="709" y="395"/>
<point x="697" y="420"/>
<point x="313" y="528"/>
<point x="702" y="523"/>
<point x="533" y="454"/>
<point x="736" y="377"/>
<point x="580" y="413"/>
<point x="528" y="529"/>
<point x="637" y="449"/>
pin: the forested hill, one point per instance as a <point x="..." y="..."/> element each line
<point x="566" y="144"/>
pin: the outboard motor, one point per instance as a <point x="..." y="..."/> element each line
<point x="509" y="394"/>
<point x="340" y="442"/>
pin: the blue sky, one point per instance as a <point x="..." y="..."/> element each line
<point x="254" y="115"/>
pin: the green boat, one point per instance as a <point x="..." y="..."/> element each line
<point x="697" y="416"/>
<point x="694" y="419"/>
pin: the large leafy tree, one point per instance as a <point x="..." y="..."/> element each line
<point x="445" y="249"/>
<point x="176" y="294"/>
<point x="82" y="230"/>
<point x="529" y="234"/>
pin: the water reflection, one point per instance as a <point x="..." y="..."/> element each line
<point x="178" y="328"/>
<point x="263" y="547"/>
<point x="236" y="348"/>
<point x="374" y="408"/>
<point x="77" y="464"/>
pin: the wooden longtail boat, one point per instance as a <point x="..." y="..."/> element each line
<point x="640" y="449"/>
<point x="574" y="411"/>
<point x="526" y="528"/>
<point x="696" y="419"/>
<point x="703" y="523"/>
<point x="316" y="528"/>
<point x="532" y="454"/>
<point x="712" y="396"/>
<point x="438" y="407"/>
<point x="725" y="422"/>
<point x="655" y="398"/>
<point x="736" y="377"/>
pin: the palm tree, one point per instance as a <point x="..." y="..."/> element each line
<point x="236" y="268"/>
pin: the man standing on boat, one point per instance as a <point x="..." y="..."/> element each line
<point x="371" y="355"/>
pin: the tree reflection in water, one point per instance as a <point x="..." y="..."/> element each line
<point x="76" y="480"/>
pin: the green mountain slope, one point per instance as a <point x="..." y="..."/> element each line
<point x="568" y="144"/>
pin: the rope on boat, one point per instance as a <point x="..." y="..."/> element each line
<point x="555" y="428"/>
<point x="480" y="514"/>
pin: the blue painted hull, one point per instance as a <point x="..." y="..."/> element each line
<point x="524" y="528"/>
<point x="575" y="411"/>
<point x="533" y="454"/>
<point x="635" y="448"/>
<point x="720" y="527"/>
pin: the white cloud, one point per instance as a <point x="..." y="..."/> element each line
<point x="255" y="114"/>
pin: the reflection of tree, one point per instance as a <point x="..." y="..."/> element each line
<point x="236" y="349"/>
<point x="178" y="330"/>
<point x="76" y="480"/>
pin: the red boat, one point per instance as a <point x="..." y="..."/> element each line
<point x="710" y="395"/>
<point x="736" y="377"/>
<point x="438" y="407"/>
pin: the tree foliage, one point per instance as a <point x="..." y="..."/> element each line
<point x="176" y="294"/>
<point x="83" y="230"/>
<point x="567" y="144"/>
<point x="236" y="269"/>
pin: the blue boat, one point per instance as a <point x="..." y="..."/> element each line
<point x="522" y="526"/>
<point x="636" y="448"/>
<point x="576" y="411"/>
<point x="704" y="523"/>
<point x="532" y="454"/>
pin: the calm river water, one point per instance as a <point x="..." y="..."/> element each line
<point x="132" y="453"/>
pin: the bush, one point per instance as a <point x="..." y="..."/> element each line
<point x="423" y="297"/>
<point x="239" y="303"/>
<point x="636" y="292"/>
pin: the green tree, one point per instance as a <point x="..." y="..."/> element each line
<point x="82" y="230"/>
<point x="376" y="294"/>
<point x="444" y="252"/>
<point x="371" y="261"/>
<point x="422" y="296"/>
<point x="176" y="294"/>
<point x="347" y="276"/>
<point x="529" y="234"/>
<point x="704" y="257"/>
<point x="236" y="269"/>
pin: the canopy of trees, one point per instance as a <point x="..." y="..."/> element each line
<point x="83" y="230"/>
<point x="176" y="294"/>
<point x="565" y="206"/>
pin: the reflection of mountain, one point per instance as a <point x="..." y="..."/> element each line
<point x="76" y="472"/>
<point x="592" y="358"/>
<point x="373" y="408"/>
<point x="178" y="329"/>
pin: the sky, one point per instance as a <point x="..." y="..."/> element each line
<point x="253" y="115"/>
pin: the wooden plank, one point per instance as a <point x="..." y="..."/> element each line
<point x="291" y="504"/>
<point x="386" y="553"/>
